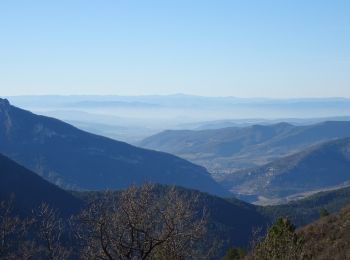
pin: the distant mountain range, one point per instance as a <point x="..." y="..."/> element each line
<point x="229" y="149"/>
<point x="146" y="115"/>
<point x="75" y="159"/>
<point x="319" y="167"/>
<point x="180" y="100"/>
<point x="27" y="190"/>
<point x="225" y="123"/>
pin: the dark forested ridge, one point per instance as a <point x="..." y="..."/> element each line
<point x="232" y="148"/>
<point x="307" y="210"/>
<point x="227" y="217"/>
<point x="76" y="159"/>
<point x="319" y="167"/>
<point x="231" y="222"/>
<point x="28" y="190"/>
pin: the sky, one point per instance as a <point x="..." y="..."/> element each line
<point x="261" y="48"/>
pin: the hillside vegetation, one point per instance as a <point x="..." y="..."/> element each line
<point x="329" y="238"/>
<point x="229" y="149"/>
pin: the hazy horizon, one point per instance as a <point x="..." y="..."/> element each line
<point x="131" y="118"/>
<point x="131" y="68"/>
<point x="176" y="94"/>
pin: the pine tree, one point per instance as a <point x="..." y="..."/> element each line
<point x="281" y="242"/>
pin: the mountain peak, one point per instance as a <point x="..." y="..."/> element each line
<point x="5" y="119"/>
<point x="4" y="102"/>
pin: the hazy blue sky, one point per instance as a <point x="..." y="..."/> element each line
<point x="285" y="48"/>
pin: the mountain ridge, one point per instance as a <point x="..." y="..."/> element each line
<point x="76" y="159"/>
<point x="233" y="148"/>
<point x="320" y="166"/>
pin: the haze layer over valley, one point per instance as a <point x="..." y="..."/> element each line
<point x="133" y="118"/>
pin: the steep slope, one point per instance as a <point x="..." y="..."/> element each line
<point x="229" y="149"/>
<point x="319" y="167"/>
<point x="28" y="190"/>
<point x="76" y="159"/>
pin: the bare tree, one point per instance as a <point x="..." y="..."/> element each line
<point x="141" y="223"/>
<point x="8" y="230"/>
<point x="13" y="234"/>
<point x="38" y="237"/>
<point x="48" y="229"/>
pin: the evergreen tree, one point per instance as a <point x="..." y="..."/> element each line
<point x="323" y="213"/>
<point x="281" y="242"/>
<point x="235" y="253"/>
